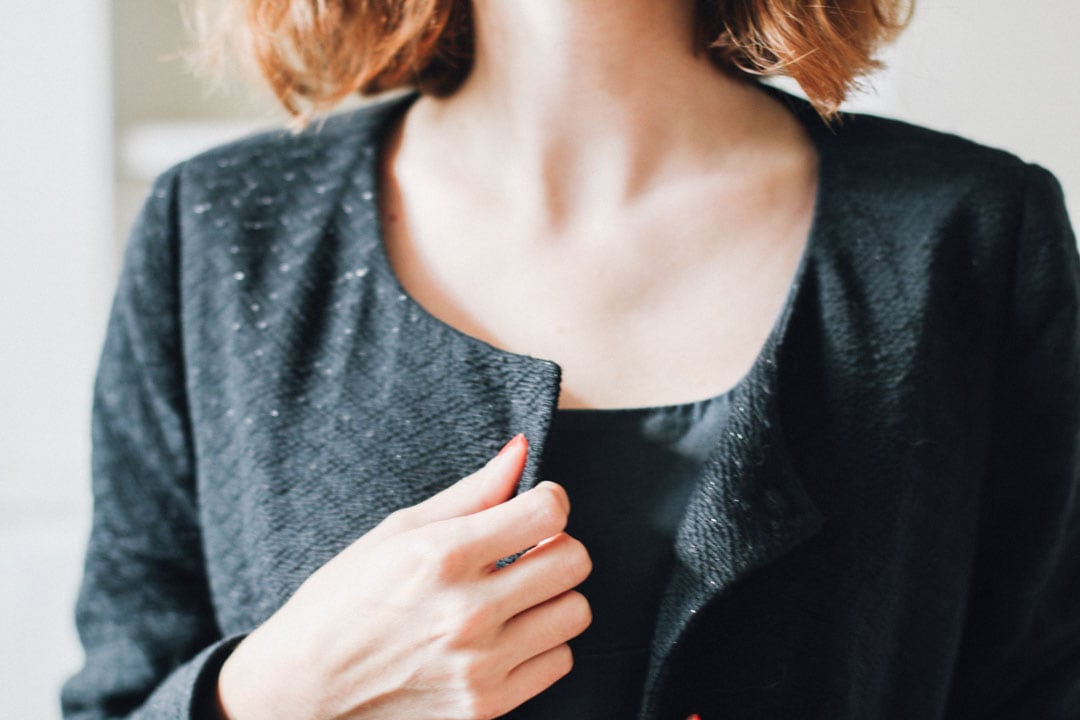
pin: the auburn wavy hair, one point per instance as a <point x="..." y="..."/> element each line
<point x="315" y="53"/>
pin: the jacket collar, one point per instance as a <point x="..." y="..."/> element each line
<point x="748" y="509"/>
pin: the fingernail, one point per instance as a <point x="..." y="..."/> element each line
<point x="515" y="442"/>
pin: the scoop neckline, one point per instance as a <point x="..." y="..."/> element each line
<point x="800" y="110"/>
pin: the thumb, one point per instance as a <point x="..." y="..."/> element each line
<point x="487" y="487"/>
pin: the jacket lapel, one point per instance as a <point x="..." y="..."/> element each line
<point x="748" y="508"/>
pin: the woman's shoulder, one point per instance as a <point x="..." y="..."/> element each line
<point x="912" y="215"/>
<point x="900" y="165"/>
<point x="260" y="202"/>
<point x="901" y="189"/>
<point x="270" y="189"/>
<point x="892" y="181"/>
<point x="317" y="157"/>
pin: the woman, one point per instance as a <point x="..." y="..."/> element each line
<point x="811" y="387"/>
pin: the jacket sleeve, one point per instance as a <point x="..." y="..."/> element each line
<point x="1020" y="657"/>
<point x="143" y="614"/>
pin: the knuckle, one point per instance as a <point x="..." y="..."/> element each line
<point x="474" y="683"/>
<point x="580" y="612"/>
<point x="448" y="563"/>
<point x="557" y="494"/>
<point x="577" y="562"/>
<point x="397" y="521"/>
<point x="471" y="624"/>
<point x="423" y="549"/>
<point x="453" y="560"/>
<point x="439" y="557"/>
<point x="549" y="511"/>
<point x="474" y="674"/>
<point x="484" y="708"/>
<point x="562" y="661"/>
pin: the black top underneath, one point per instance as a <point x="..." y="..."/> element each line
<point x="628" y="474"/>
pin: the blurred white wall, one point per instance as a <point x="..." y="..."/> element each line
<point x="997" y="71"/>
<point x="55" y="233"/>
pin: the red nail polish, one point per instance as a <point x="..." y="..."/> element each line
<point x="515" y="441"/>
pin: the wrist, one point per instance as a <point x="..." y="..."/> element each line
<point x="253" y="684"/>
<point x="232" y="699"/>
<point x="206" y="703"/>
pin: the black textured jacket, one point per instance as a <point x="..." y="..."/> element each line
<point x="889" y="527"/>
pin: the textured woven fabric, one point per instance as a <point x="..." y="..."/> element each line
<point x="888" y="526"/>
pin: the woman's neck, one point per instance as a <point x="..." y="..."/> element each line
<point x="580" y="103"/>
<point x="582" y="64"/>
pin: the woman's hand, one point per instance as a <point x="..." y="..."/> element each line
<point x="413" y="620"/>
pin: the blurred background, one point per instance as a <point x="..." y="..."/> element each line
<point x="97" y="102"/>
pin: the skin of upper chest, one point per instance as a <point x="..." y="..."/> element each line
<point x="665" y="299"/>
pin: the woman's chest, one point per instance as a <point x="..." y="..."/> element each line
<point x="638" y="307"/>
